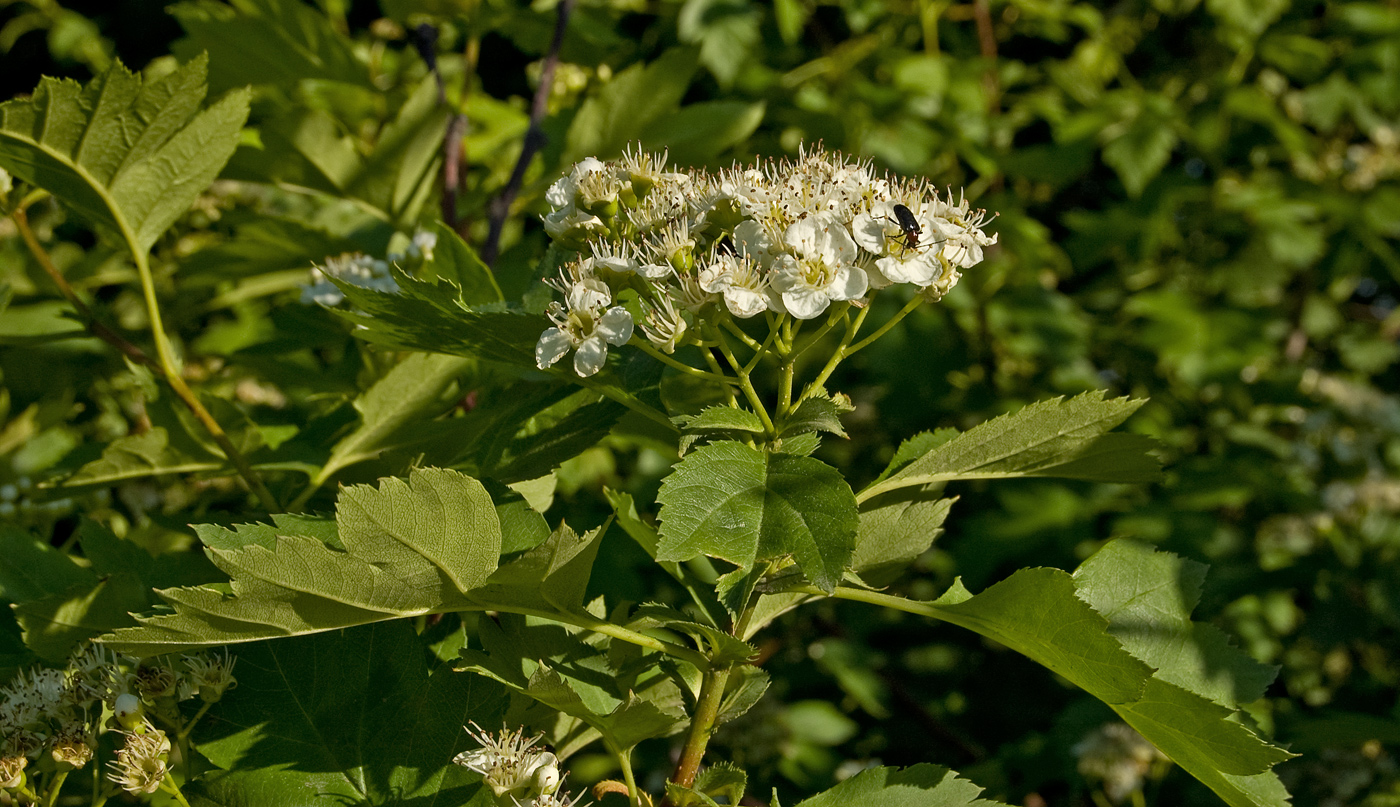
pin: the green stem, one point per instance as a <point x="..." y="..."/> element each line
<point x="762" y="351"/>
<point x="55" y="786"/>
<point x="702" y="726"/>
<point x="840" y="353"/>
<point x="646" y="348"/>
<point x="588" y="622"/>
<point x="749" y="341"/>
<point x="183" y="734"/>
<point x="908" y="308"/>
<point x="744" y="383"/>
<point x="729" y="396"/>
<point x="635" y="405"/>
<point x="173" y="789"/>
<point x="624" y="760"/>
<point x="166" y="367"/>
<point x="171" y="370"/>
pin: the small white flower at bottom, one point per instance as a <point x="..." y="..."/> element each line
<point x="587" y="332"/>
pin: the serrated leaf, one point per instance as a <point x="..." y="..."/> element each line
<point x="428" y="317"/>
<point x="1187" y="708"/>
<point x="1061" y="438"/>
<point x="817" y="414"/>
<point x="916" y="786"/>
<point x="415" y="389"/>
<point x="439" y="515"/>
<point x="408" y="548"/>
<point x="128" y="157"/>
<point x="720" y="418"/>
<point x="1147" y="597"/>
<point x="720" y="646"/>
<point x="915" y="447"/>
<point x="894" y="530"/>
<point x="455" y="261"/>
<point x="348" y="716"/>
<point x="147" y="454"/>
<point x="742" y="505"/>
<point x="646" y="536"/>
<point x="1036" y="613"/>
<point x="554" y="666"/>
<point x="552" y="575"/>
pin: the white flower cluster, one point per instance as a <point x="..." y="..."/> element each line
<point x="359" y="269"/>
<point x="789" y="237"/>
<point x="1118" y="757"/>
<point x="518" y="773"/>
<point x="59" y="711"/>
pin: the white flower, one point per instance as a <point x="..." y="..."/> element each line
<point x="880" y="233"/>
<point x="510" y="764"/>
<point x="960" y="227"/>
<point x="582" y="329"/>
<point x="356" y="269"/>
<point x="823" y="270"/>
<point x="738" y="279"/>
<point x="563" y="193"/>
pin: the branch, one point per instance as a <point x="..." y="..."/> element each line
<point x="499" y="209"/>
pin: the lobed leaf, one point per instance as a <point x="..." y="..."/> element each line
<point x="127" y="156"/>
<point x="743" y="505"/>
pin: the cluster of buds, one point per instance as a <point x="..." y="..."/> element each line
<point x="518" y="773"/>
<point x="367" y="271"/>
<point x="788" y="238"/>
<point x="59" y="712"/>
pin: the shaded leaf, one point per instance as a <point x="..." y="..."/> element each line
<point x="742" y="505"/>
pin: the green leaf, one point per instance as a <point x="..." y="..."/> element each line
<point x="404" y="549"/>
<point x="428" y="317"/>
<point x="280" y="42"/>
<point x="438" y="515"/>
<point x="916" y="786"/>
<point x="722" y="779"/>
<point x="552" y="575"/>
<point x="553" y="665"/>
<point x="1145" y="146"/>
<point x="352" y="716"/>
<point x="309" y="148"/>
<point x="147" y="454"/>
<point x="817" y="414"/>
<point x="1188" y="707"/>
<point x="894" y="530"/>
<point x="742" y="505"/>
<point x="1052" y="438"/>
<point x="127" y="157"/>
<point x="698" y="133"/>
<point x="625" y="107"/>
<point x="59" y="603"/>
<point x="719" y="645"/>
<point x="415" y="389"/>
<point x="455" y="261"/>
<point x="1147" y="597"/>
<point x="720" y="418"/>
<point x="701" y="592"/>
<point x="1036" y="613"/>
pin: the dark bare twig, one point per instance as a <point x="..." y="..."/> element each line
<point x="424" y="38"/>
<point x="987" y="44"/>
<point x="499" y="209"/>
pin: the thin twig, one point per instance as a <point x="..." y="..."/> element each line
<point x="165" y="367"/>
<point x="499" y="209"/>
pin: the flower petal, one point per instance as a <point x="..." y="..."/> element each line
<point x="591" y="355"/>
<point x="553" y="344"/>
<point x="806" y="303"/>
<point x="615" y="326"/>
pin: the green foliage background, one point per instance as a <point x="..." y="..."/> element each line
<point x="1198" y="204"/>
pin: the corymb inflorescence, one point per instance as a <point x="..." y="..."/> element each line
<point x="789" y="239"/>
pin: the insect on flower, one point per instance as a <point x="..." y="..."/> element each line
<point x="909" y="226"/>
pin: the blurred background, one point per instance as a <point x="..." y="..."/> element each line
<point x="1197" y="203"/>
